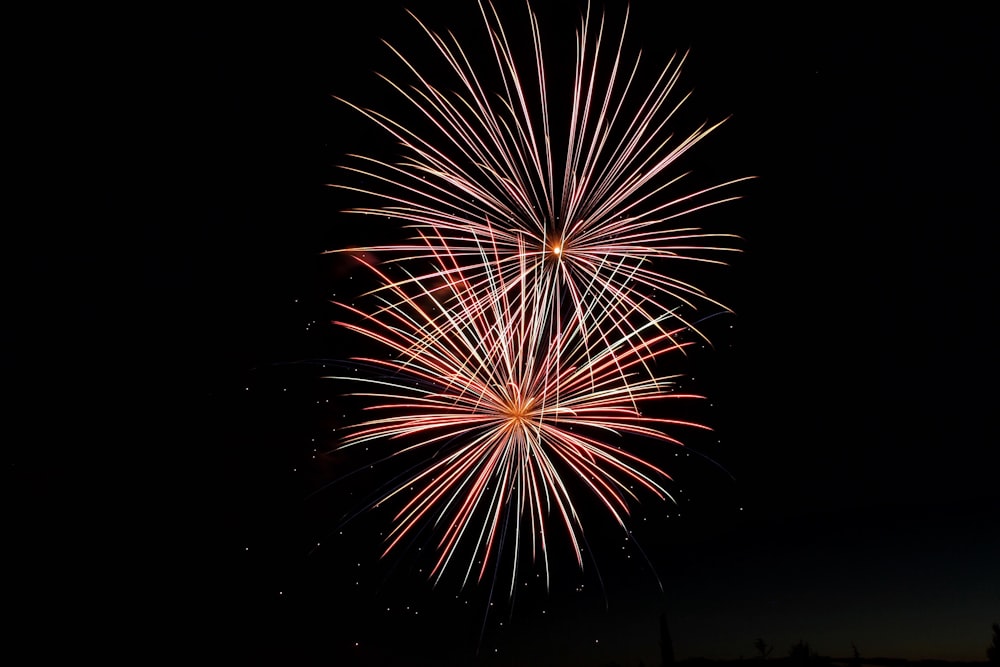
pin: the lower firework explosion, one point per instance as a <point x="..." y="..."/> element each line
<point x="510" y="422"/>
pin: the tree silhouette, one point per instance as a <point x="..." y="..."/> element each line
<point x="993" y="652"/>
<point x="856" y="658"/>
<point x="800" y="655"/>
<point x="762" y="648"/>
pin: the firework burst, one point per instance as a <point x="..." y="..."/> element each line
<point x="528" y="316"/>
<point x="596" y="223"/>
<point x="509" y="420"/>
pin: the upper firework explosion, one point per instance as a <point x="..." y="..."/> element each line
<point x="595" y="224"/>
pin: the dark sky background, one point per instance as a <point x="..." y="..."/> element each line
<point x="169" y="318"/>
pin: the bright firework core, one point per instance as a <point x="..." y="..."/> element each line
<point x="557" y="247"/>
<point x="518" y="412"/>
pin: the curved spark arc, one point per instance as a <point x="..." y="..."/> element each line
<point x="487" y="171"/>
<point x="505" y="416"/>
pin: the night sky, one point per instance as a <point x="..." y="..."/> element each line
<point x="168" y="322"/>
